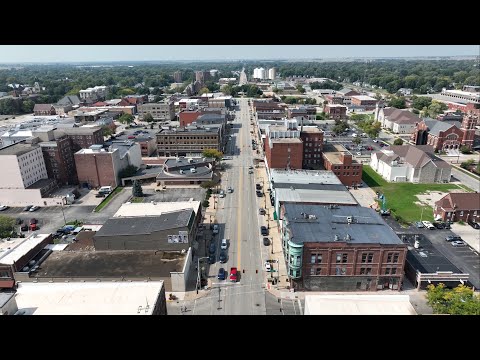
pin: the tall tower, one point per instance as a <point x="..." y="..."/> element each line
<point x="468" y="128"/>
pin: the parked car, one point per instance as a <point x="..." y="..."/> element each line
<point x="359" y="153"/>
<point x="18" y="221"/>
<point x="215" y="229"/>
<point x="266" y="241"/>
<point x="224" y="244"/>
<point x="419" y="225"/>
<point x="250" y="171"/>
<point x="458" y="243"/>
<point x="221" y="274"/>
<point x="223" y="257"/>
<point x="453" y="238"/>
<point x="211" y="259"/>
<point x="34" y="208"/>
<point x="439" y="225"/>
<point x="212" y="248"/>
<point x="261" y="211"/>
<point x="268" y="266"/>
<point x="233" y="274"/>
<point x="474" y="224"/>
<point x="24" y="227"/>
<point x="264" y="230"/>
<point x="26" y="208"/>
<point x="33" y="221"/>
<point x="221" y="194"/>
<point x="259" y="193"/>
<point x="258" y="186"/>
<point x="100" y="195"/>
<point x="250" y="167"/>
<point x="3" y="207"/>
<point x="428" y="225"/>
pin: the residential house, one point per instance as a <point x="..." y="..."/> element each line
<point x="458" y="207"/>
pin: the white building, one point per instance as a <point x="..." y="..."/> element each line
<point x="156" y="208"/>
<point x="272" y="73"/>
<point x="93" y="93"/>
<point x="462" y="96"/>
<point x="347" y="304"/>
<point x="398" y="120"/>
<point x="91" y="298"/>
<point x="22" y="165"/>
<point x="259" y="73"/>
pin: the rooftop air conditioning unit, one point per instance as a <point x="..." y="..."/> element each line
<point x="337" y="238"/>
<point x="349" y="219"/>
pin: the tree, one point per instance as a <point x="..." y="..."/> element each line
<point x="301" y="89"/>
<point x="419" y="102"/>
<point x="212" y="153"/>
<point x="126" y="119"/>
<point x="27" y="106"/>
<point x="465" y="149"/>
<point x="137" y="190"/>
<point x="357" y="140"/>
<point x="398" y="141"/>
<point x="148" y="117"/>
<point x="6" y="226"/>
<point x="397" y="102"/>
<point x="129" y="171"/>
<point x="436" y="108"/>
<point x="340" y="127"/>
<point x="208" y="184"/>
<point x="204" y="90"/>
<point x="107" y="130"/>
<point x="458" y="301"/>
<point x="466" y="164"/>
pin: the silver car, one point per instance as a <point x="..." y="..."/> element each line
<point x="458" y="243"/>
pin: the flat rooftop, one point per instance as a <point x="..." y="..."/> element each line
<point x="358" y="305"/>
<point x="427" y="259"/>
<point x="182" y="131"/>
<point x="285" y="140"/>
<point x="12" y="250"/>
<point x="88" y="298"/>
<point x="363" y="97"/>
<point x="111" y="264"/>
<point x="315" y="196"/>
<point x="155" y="208"/>
<point x="188" y="162"/>
<point x="321" y="223"/>
<point x="304" y="177"/>
<point x="18" y="149"/>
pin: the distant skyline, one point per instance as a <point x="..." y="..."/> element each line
<point x="109" y="53"/>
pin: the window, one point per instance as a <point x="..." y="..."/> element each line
<point x="345" y="258"/>
<point x="319" y="258"/>
<point x="461" y="213"/>
<point x="394" y="271"/>
<point x="387" y="271"/>
<point x="370" y="258"/>
<point x="299" y="260"/>
<point x="312" y="271"/>
<point x="389" y="257"/>
<point x="367" y="257"/>
<point x="395" y="257"/>
<point x="318" y="271"/>
<point x="312" y="258"/>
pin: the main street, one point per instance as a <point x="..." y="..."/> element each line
<point x="239" y="222"/>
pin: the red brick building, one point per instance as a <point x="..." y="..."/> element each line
<point x="312" y="139"/>
<point x="337" y="159"/>
<point x="59" y="160"/>
<point x="96" y="168"/>
<point x="444" y="135"/>
<point x="336" y="111"/>
<point x="82" y="137"/>
<point x="187" y="117"/>
<point x="43" y="109"/>
<point x="458" y="206"/>
<point x="367" y="102"/>
<point x="284" y="153"/>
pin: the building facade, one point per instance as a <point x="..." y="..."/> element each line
<point x="340" y="248"/>
<point x="161" y="111"/>
<point x="59" y="160"/>
<point x="336" y="111"/>
<point x="458" y="207"/>
<point x="312" y="139"/>
<point x="188" y="141"/>
<point x="82" y="137"/>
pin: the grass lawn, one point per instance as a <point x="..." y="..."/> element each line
<point x="136" y="199"/>
<point x="401" y="196"/>
<point x="108" y="198"/>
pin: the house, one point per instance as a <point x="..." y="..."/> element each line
<point x="66" y="104"/>
<point x="416" y="164"/>
<point x="458" y="207"/>
<point x="398" y="120"/>
<point x="43" y="109"/>
<point x="443" y="135"/>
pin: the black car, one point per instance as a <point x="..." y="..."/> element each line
<point x="24" y="227"/>
<point x="212" y="248"/>
<point x="223" y="257"/>
<point x="474" y="224"/>
<point x="264" y="230"/>
<point x="259" y="193"/>
<point x="266" y="241"/>
<point x="18" y="221"/>
<point x="439" y="225"/>
<point x="211" y="259"/>
<point x="100" y="195"/>
<point x="258" y="186"/>
<point x="27" y="208"/>
<point x="261" y="211"/>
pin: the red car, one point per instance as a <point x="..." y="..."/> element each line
<point x="233" y="274"/>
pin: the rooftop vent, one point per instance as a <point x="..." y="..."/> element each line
<point x="348" y="237"/>
<point x="337" y="238"/>
<point x="349" y="219"/>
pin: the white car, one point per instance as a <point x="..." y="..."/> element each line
<point x="268" y="266"/>
<point x="458" y="243"/>
<point x="375" y="140"/>
<point x="224" y="244"/>
<point x="221" y="194"/>
<point x="359" y="153"/>
<point x="34" y="208"/>
<point x="229" y="189"/>
<point x="3" y="207"/>
<point x="428" y="225"/>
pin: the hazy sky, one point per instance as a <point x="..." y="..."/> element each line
<point x="74" y="53"/>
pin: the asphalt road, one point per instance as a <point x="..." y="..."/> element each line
<point x="238" y="218"/>
<point x="466" y="180"/>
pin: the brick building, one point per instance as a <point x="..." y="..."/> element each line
<point x="189" y="141"/>
<point x="189" y="116"/>
<point x="82" y="137"/>
<point x="339" y="160"/>
<point x="59" y="160"/>
<point x="340" y="248"/>
<point x="444" y="135"/>
<point x="458" y="207"/>
<point x="98" y="167"/>
<point x="284" y="153"/>
<point x="367" y="102"/>
<point x="312" y="139"/>
<point x="162" y="111"/>
<point x="336" y="111"/>
<point x="43" y="109"/>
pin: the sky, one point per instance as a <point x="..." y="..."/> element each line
<point x="103" y="53"/>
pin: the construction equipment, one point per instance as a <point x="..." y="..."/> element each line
<point x="383" y="210"/>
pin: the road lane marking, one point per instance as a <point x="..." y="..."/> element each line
<point x="239" y="212"/>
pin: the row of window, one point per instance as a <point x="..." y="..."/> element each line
<point x="313" y="156"/>
<point x="355" y="173"/>
<point x="170" y="138"/>
<point x="343" y="271"/>
<point x="344" y="258"/>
